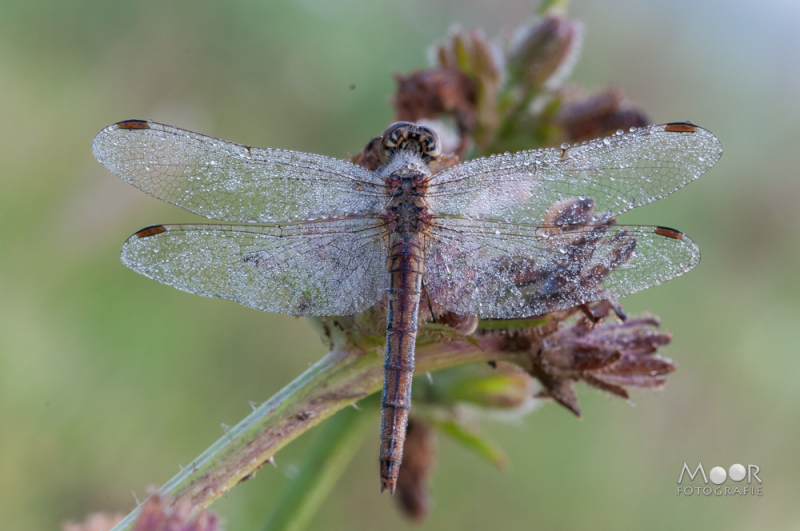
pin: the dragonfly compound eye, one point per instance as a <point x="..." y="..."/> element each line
<point x="406" y="136"/>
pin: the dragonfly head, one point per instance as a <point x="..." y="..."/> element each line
<point x="406" y="136"/>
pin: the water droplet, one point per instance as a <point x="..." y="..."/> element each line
<point x="619" y="131"/>
<point x="632" y="129"/>
<point x="606" y="141"/>
<point x="701" y="158"/>
<point x="565" y="145"/>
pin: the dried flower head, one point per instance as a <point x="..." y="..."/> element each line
<point x="413" y="499"/>
<point x="607" y="356"/>
<point x="159" y="514"/>
<point x="598" y="115"/>
<point x="508" y="94"/>
<point x="544" y="53"/>
<point x="94" y="522"/>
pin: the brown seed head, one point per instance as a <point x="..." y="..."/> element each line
<point x="545" y="53"/>
<point x="413" y="498"/>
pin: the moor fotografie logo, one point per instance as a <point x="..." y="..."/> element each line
<point x="718" y="476"/>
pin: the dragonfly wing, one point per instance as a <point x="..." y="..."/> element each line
<point x="224" y="180"/>
<point x="619" y="173"/>
<point x="314" y="268"/>
<point x="501" y="270"/>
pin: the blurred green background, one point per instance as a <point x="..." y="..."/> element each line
<point x="109" y="380"/>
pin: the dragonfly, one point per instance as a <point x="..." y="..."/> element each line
<point x="508" y="236"/>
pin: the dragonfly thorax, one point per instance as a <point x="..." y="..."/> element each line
<point x="405" y="165"/>
<point x="406" y="174"/>
<point x="410" y="153"/>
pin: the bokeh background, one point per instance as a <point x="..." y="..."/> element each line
<point x="109" y="380"/>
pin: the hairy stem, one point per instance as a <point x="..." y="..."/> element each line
<point x="336" y="445"/>
<point x="342" y="377"/>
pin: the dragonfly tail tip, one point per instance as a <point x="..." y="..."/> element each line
<point x="388" y="484"/>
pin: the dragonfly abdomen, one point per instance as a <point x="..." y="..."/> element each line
<point x="405" y="267"/>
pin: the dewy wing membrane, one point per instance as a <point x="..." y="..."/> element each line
<point x="227" y="181"/>
<point x="619" y="172"/>
<point x="501" y="270"/>
<point x="320" y="268"/>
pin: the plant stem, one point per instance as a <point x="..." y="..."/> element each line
<point x="337" y="443"/>
<point x="341" y="378"/>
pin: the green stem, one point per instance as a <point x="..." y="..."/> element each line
<point x="335" y="447"/>
<point x="341" y="378"/>
<point x="547" y="7"/>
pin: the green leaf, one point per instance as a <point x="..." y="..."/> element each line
<point x="474" y="441"/>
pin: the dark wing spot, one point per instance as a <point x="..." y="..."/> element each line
<point x="669" y="233"/>
<point x="681" y="127"/>
<point x="133" y="124"/>
<point x="152" y="230"/>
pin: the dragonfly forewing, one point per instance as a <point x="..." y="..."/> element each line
<point x="619" y="172"/>
<point x="501" y="270"/>
<point x="310" y="269"/>
<point x="224" y="180"/>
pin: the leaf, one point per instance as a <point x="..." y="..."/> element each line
<point x="511" y="324"/>
<point x="474" y="441"/>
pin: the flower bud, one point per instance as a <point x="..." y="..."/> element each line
<point x="543" y="54"/>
